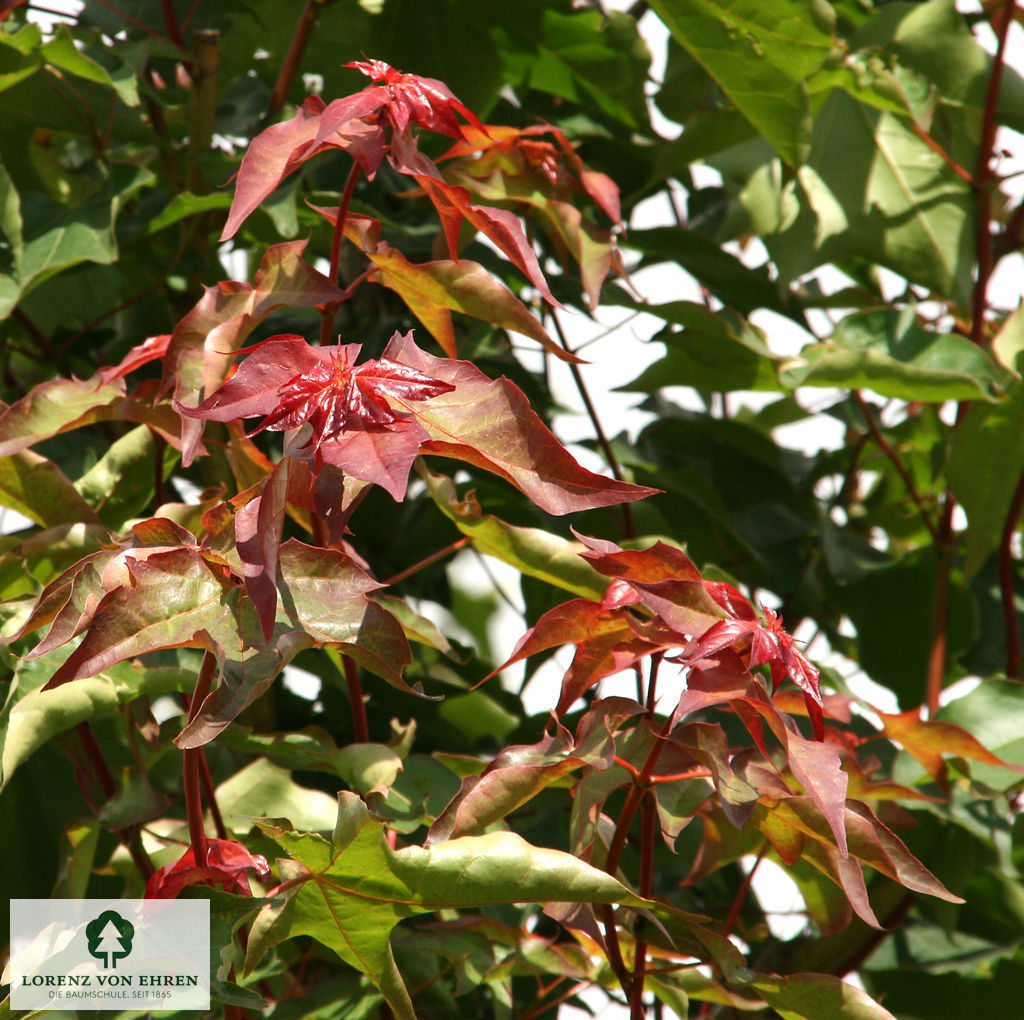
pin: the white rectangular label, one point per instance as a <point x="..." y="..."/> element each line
<point x="110" y="954"/>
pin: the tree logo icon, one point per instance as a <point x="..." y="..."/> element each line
<point x="110" y="937"/>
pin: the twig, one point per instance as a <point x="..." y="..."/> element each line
<point x="128" y="837"/>
<point x="328" y="310"/>
<point x="936" y="675"/>
<point x="210" y="792"/>
<point x="941" y="152"/>
<point x="202" y="107"/>
<point x="741" y="893"/>
<point x="645" y="884"/>
<point x="114" y="9"/>
<point x="637" y="792"/>
<point x="890" y="453"/>
<point x="171" y="25"/>
<point x="21" y="317"/>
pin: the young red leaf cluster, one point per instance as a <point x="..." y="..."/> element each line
<point x="658" y="602"/>
<point x="364" y="124"/>
<point x="226" y="865"/>
<point x="354" y="411"/>
<point x="376" y="123"/>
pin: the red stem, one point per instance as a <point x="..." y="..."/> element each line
<point x="129" y="837"/>
<point x="637" y="792"/>
<point x="20" y="316"/>
<point x="94" y="753"/>
<point x="327" y="313"/>
<point x="290" y="65"/>
<point x="171" y="25"/>
<point x="648" y="834"/>
<point x="1006" y="587"/>
<point x="936" y="677"/>
<point x="191" y="766"/>
<point x="455" y="546"/>
<point x="355" y="696"/>
<point x="741" y="893"/>
<point x="211" y="795"/>
<point x="188" y="17"/>
<point x="114" y="9"/>
<point x="985" y="176"/>
<point x="543" y="1007"/>
<point x="940" y="151"/>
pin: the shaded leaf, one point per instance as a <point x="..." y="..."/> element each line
<point x="55" y="236"/>
<point x="357" y="888"/>
<point x="708" y="354"/>
<point x="35" y="715"/>
<point x="986" y="458"/>
<point x="735" y="284"/>
<point x="262" y="789"/>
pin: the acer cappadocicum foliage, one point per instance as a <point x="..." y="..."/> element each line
<point x="272" y="476"/>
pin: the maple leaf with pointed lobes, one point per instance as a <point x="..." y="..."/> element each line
<point x="353" y="425"/>
<point x="363" y="124"/>
<point x="770" y="645"/>
<point x="417" y="100"/>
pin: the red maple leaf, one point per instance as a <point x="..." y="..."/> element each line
<point x="226" y="865"/>
<point x="413" y="99"/>
<point x="770" y="644"/>
<point x="353" y="425"/>
<point x="361" y="124"/>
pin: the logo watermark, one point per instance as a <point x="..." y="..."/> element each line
<point x="110" y="954"/>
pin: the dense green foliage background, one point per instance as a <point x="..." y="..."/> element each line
<point x="860" y="199"/>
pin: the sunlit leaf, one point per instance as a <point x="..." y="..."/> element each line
<point x="812" y="996"/>
<point x="931" y="740"/>
<point x="433" y="290"/>
<point x="35" y="487"/>
<point x="889" y="353"/>
<point x="761" y="54"/>
<point x="531" y="551"/>
<point x="489" y="423"/>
